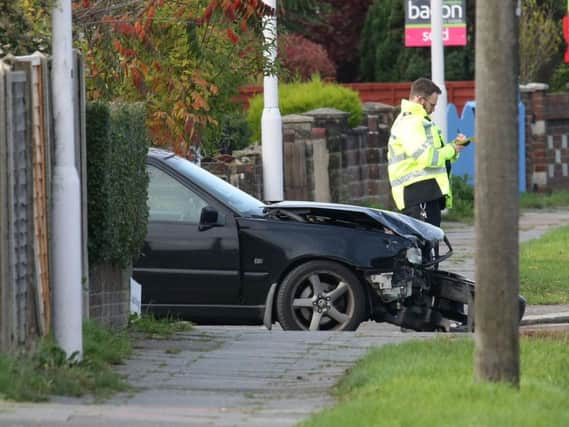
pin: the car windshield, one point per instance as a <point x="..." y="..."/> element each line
<point x="240" y="201"/>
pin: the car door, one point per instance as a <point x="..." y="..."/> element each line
<point x="183" y="267"/>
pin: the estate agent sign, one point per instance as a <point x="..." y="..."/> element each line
<point x="418" y="23"/>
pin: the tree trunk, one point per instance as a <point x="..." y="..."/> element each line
<point x="497" y="205"/>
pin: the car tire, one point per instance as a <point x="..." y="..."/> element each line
<point x="321" y="295"/>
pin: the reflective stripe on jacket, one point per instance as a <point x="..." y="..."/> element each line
<point x="416" y="152"/>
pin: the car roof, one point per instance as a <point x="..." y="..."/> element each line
<point x="160" y="153"/>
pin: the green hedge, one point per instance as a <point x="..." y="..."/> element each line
<point x="117" y="183"/>
<point x="297" y="98"/>
<point x="98" y="164"/>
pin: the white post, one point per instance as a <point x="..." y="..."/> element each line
<point x="438" y="64"/>
<point x="271" y="121"/>
<point x="67" y="301"/>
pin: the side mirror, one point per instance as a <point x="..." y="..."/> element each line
<point x="209" y="218"/>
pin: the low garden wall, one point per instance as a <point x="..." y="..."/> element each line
<point x="324" y="159"/>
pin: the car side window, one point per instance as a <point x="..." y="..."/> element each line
<point x="170" y="200"/>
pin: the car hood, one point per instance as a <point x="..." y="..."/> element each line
<point x="400" y="224"/>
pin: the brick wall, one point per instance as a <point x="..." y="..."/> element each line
<point x="243" y="169"/>
<point x="109" y="294"/>
<point x="324" y="159"/>
<point x="547" y="138"/>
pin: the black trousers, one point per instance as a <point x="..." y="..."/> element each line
<point x="433" y="209"/>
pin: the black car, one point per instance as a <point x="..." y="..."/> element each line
<point x="214" y="254"/>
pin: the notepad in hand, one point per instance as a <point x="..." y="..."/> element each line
<point x="464" y="142"/>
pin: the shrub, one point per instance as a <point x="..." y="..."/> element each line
<point x="232" y="133"/>
<point x="461" y="189"/>
<point x="302" y="58"/>
<point x="462" y="199"/>
<point x="560" y="78"/>
<point x="539" y="39"/>
<point x="297" y="98"/>
<point x="117" y="183"/>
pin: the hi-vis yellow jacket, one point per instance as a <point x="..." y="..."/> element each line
<point x="417" y="153"/>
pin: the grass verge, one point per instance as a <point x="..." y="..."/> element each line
<point x="556" y="199"/>
<point x="544" y="270"/>
<point x="157" y="328"/>
<point x="463" y="205"/>
<point x="35" y="376"/>
<point x="430" y="383"/>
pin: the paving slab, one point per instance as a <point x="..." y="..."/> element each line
<point x="248" y="376"/>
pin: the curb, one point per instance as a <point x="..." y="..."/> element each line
<point x="542" y="319"/>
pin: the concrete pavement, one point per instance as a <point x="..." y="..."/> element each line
<point x="220" y="376"/>
<point x="247" y="376"/>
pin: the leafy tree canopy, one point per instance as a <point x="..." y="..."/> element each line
<point x="185" y="58"/>
<point x="540" y="40"/>
<point x="302" y="58"/>
<point x="385" y="58"/>
<point x="24" y="26"/>
<point x="339" y="32"/>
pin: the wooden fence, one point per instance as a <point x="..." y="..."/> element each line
<point x="26" y="153"/>
<point x="458" y="92"/>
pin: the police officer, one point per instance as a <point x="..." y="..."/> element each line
<point x="418" y="159"/>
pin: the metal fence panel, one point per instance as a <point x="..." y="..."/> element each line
<point x="4" y="289"/>
<point x="20" y="196"/>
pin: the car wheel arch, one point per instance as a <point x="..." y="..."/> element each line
<point x="304" y="260"/>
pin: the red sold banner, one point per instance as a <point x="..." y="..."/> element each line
<point x="566" y="36"/>
<point x="418" y="23"/>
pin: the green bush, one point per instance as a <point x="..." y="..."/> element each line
<point x="461" y="189"/>
<point x="117" y="182"/>
<point x="560" y="78"/>
<point x="296" y="98"/>
<point x="462" y="200"/>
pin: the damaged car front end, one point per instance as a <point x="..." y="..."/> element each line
<point x="408" y="289"/>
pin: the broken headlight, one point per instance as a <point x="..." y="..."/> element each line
<point x="414" y="255"/>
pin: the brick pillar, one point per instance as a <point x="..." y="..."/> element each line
<point x="248" y="171"/>
<point x="109" y="294"/>
<point x="298" y="157"/>
<point x="244" y="169"/>
<point x="335" y="123"/>
<point x="385" y="113"/>
<point x="533" y="97"/>
<point x="378" y="118"/>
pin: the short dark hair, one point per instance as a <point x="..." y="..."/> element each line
<point x="423" y="87"/>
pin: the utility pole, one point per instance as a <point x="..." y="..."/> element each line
<point x="497" y="207"/>
<point x="271" y="121"/>
<point x="438" y="64"/>
<point x="67" y="301"/>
